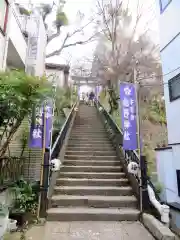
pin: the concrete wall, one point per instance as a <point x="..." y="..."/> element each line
<point x="166" y="169"/>
<point x="15" y="34"/>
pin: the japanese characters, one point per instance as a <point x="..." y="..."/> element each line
<point x="128" y="103"/>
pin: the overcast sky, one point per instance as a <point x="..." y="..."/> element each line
<point x="86" y="6"/>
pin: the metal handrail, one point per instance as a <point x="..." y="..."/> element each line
<point x="56" y="148"/>
<point x="129" y="155"/>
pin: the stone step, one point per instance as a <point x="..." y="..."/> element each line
<point x="90" y="152"/>
<point x="94" y="201"/>
<point x="89" y="132"/>
<point x="95" y="142"/>
<point x="92" y="145"/>
<point x="89" y="138"/>
<point x="90" y="148"/>
<point x="91" y="182"/>
<point x="90" y="157"/>
<point x="91" y="163"/>
<point x="93" y="175"/>
<point x="103" y="169"/>
<point x="94" y="190"/>
<point x="87" y="125"/>
<point x="92" y="214"/>
<point x="89" y="129"/>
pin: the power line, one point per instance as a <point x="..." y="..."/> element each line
<point x="162" y="75"/>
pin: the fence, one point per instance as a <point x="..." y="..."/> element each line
<point x="11" y="168"/>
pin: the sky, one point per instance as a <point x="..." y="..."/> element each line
<point x="73" y="54"/>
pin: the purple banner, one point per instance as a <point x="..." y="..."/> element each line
<point x="49" y="122"/>
<point x="129" y="123"/>
<point x="98" y="91"/>
<point x="37" y="129"/>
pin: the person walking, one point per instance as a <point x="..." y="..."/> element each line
<point x="91" y="98"/>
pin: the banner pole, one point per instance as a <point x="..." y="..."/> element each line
<point x="42" y="161"/>
<point x="138" y="122"/>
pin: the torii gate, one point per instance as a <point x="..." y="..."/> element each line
<point x="80" y="81"/>
<point x="86" y="80"/>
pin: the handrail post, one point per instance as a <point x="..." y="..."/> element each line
<point x="143" y="187"/>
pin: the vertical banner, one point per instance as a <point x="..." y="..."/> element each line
<point x="37" y="127"/>
<point x="128" y="101"/>
<point x="79" y="92"/>
<point x="96" y="92"/>
<point x="36" y="130"/>
<point x="49" y="122"/>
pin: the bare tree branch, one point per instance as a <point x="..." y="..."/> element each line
<point x="57" y="34"/>
<point x="64" y="45"/>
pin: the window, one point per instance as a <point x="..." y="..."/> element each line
<point x="3" y="15"/>
<point x="164" y="4"/>
<point x="174" y="88"/>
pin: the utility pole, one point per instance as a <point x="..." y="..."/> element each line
<point x="137" y="89"/>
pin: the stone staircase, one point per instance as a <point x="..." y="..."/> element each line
<point x="91" y="183"/>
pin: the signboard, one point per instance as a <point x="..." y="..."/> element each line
<point x="129" y="122"/>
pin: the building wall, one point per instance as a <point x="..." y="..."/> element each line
<point x="169" y="26"/>
<point x="170" y="45"/>
<point x="168" y="160"/>
<point x="2" y="47"/>
<point x="15" y="34"/>
<point x="4" y="42"/>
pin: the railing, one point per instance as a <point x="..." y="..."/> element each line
<point x="62" y="134"/>
<point x="20" y="20"/>
<point x="144" y="189"/>
<point x="48" y="157"/>
<point x="10" y="170"/>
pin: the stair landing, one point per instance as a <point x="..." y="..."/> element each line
<point x="94" y="231"/>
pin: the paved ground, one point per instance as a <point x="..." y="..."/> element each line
<point x="90" y="231"/>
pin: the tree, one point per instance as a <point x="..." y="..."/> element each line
<point x="60" y="22"/>
<point x="126" y="53"/>
<point x="19" y="93"/>
<point x="123" y="47"/>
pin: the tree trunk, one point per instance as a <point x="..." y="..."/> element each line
<point x="10" y="136"/>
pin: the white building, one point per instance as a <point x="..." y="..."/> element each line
<point x="18" y="32"/>
<point x="168" y="159"/>
<point x="23" y="41"/>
